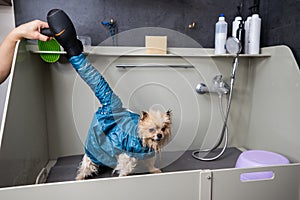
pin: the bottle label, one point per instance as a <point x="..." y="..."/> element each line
<point x="221" y="29"/>
<point x="220" y="43"/>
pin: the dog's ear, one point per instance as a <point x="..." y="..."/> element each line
<point x="169" y="113"/>
<point x="144" y="115"/>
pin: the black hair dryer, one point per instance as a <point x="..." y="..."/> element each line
<point x="62" y="28"/>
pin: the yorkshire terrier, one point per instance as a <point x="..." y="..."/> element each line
<point x="154" y="130"/>
<point x="117" y="138"/>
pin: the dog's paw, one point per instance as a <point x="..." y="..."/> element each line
<point x="123" y="174"/>
<point x="155" y="171"/>
<point x="80" y="177"/>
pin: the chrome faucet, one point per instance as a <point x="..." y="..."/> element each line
<point x="218" y="86"/>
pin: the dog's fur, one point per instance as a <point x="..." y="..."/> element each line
<point x="154" y="129"/>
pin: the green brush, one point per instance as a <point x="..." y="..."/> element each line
<point x="51" y="45"/>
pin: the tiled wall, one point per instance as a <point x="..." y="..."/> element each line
<point x="279" y="18"/>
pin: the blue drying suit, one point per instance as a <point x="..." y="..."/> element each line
<point x="114" y="129"/>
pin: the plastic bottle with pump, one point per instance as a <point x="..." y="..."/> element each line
<point x="237" y="19"/>
<point x="254" y="34"/>
<point x="220" y="35"/>
<point x="247" y="28"/>
<point x="240" y="34"/>
<point x="254" y="29"/>
<point x="235" y="25"/>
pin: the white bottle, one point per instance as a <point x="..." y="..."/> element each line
<point x="247" y="28"/>
<point x="254" y="34"/>
<point x="220" y="35"/>
<point x="235" y="25"/>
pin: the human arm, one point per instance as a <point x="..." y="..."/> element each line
<point x="30" y="30"/>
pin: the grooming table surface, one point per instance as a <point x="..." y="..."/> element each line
<point x="65" y="168"/>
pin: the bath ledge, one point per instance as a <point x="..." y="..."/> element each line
<point x="140" y="52"/>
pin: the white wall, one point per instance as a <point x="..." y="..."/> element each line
<point x="7" y="23"/>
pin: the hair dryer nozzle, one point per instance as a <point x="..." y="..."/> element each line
<point x="64" y="31"/>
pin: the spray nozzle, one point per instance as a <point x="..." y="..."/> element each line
<point x="239" y="9"/>
<point x="255" y="8"/>
<point x="112" y="27"/>
<point x="241" y="24"/>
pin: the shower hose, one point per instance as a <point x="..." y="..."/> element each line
<point x="224" y="131"/>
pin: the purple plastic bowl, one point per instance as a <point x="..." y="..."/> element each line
<point x="258" y="158"/>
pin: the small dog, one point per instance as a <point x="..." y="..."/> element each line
<point x="117" y="138"/>
<point x="154" y="130"/>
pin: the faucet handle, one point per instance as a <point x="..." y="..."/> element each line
<point x="218" y="86"/>
<point x="201" y="88"/>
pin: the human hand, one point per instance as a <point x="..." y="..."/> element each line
<point x="31" y="30"/>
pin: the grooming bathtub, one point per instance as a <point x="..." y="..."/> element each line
<point x="48" y="110"/>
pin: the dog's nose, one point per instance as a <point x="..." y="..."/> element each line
<point x="159" y="136"/>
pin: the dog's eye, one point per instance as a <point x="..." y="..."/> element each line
<point x="151" y="130"/>
<point x="163" y="129"/>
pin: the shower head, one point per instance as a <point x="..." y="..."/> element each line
<point x="233" y="45"/>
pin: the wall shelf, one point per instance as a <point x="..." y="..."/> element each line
<point x="140" y="52"/>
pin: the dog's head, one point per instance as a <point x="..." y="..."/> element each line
<point x="155" y="128"/>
